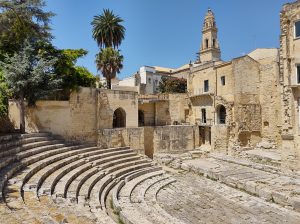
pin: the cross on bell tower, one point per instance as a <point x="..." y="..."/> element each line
<point x="210" y="49"/>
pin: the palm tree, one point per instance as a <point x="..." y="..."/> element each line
<point x="109" y="62"/>
<point x="107" y="30"/>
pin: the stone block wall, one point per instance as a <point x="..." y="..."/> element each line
<point x="78" y="119"/>
<point x="151" y="140"/>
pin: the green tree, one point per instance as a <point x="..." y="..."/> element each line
<point x="109" y="62"/>
<point x="73" y="76"/>
<point x="29" y="76"/>
<point x="22" y="20"/>
<point x="3" y="96"/>
<point x="108" y="30"/>
<point x="172" y="85"/>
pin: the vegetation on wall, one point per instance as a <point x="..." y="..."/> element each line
<point x="109" y="33"/>
<point x="31" y="66"/>
<point x="29" y="76"/>
<point x="172" y="85"/>
<point x="3" y="96"/>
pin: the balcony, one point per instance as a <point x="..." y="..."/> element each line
<point x="202" y="92"/>
<point x="204" y="122"/>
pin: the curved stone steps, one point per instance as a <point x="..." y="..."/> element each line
<point x="23" y="141"/>
<point x="39" y="177"/>
<point x="85" y="158"/>
<point x="98" y="191"/>
<point x="48" y="180"/>
<point x="125" y="177"/>
<point x="17" y="139"/>
<point x="100" y="182"/>
<point x="22" y="149"/>
<point x="90" y="178"/>
<point x="19" y="172"/>
<point x="131" y="181"/>
<point x="47" y="159"/>
<point x="15" y="166"/>
<point x="133" y="201"/>
<point x="62" y="187"/>
<point x="43" y="166"/>
<point x="151" y="201"/>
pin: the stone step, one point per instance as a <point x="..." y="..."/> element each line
<point x="23" y="141"/>
<point x="84" y="158"/>
<point x="15" y="137"/>
<point x="272" y="187"/>
<point x="137" y="211"/>
<point x="96" y="192"/>
<point x="12" y="168"/>
<point x="267" y="157"/>
<point x="39" y="177"/>
<point x="27" y="168"/>
<point x="87" y="178"/>
<point x="157" y="213"/>
<point x="131" y="182"/>
<point x="22" y="150"/>
<point x="64" y="184"/>
<point x="88" y="184"/>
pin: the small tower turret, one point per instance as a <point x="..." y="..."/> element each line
<point x="210" y="49"/>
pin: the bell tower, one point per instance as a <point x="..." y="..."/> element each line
<point x="210" y="49"/>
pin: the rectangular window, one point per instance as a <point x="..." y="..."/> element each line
<point x="206" y="86"/>
<point x="223" y="80"/>
<point x="297" y="29"/>
<point x="298" y="75"/>
<point x="203" y="114"/>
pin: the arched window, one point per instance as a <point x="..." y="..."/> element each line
<point x="214" y="42"/>
<point x="141" y="118"/>
<point x="221" y="114"/>
<point x="119" y="118"/>
<point x="206" y="43"/>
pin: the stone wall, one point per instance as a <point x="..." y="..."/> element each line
<point x="79" y="118"/>
<point x="148" y="109"/>
<point x="151" y="140"/>
<point x="290" y="100"/>
<point x="120" y="137"/>
<point x="173" y="139"/>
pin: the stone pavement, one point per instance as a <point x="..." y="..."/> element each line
<point x="196" y="199"/>
<point x="283" y="189"/>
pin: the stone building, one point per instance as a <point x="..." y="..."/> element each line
<point x="147" y="79"/>
<point x="231" y="106"/>
<point x="290" y="83"/>
<point x="235" y="103"/>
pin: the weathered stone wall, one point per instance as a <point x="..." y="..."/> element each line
<point x="167" y="109"/>
<point x="120" y="137"/>
<point x="220" y="136"/>
<point x="110" y="100"/>
<point x="79" y="118"/>
<point x="149" y="113"/>
<point x="151" y="140"/>
<point x="178" y="103"/>
<point x="172" y="139"/>
<point x="289" y="59"/>
<point x="73" y="119"/>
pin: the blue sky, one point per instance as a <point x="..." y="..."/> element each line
<point x="167" y="32"/>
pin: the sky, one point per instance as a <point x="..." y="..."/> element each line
<point x="167" y="33"/>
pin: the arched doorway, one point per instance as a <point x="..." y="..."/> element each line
<point x="119" y="118"/>
<point x="141" y="118"/>
<point x="221" y="114"/>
